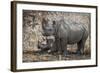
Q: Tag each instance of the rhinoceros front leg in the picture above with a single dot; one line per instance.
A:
(55, 47)
(64, 47)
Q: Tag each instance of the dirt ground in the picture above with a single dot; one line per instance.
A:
(36, 57)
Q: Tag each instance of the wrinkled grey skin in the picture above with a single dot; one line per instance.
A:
(64, 34)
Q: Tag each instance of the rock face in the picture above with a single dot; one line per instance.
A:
(32, 29)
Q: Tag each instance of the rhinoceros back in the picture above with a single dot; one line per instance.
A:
(72, 33)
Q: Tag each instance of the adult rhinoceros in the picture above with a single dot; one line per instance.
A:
(65, 33)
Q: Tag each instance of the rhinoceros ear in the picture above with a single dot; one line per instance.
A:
(54, 22)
